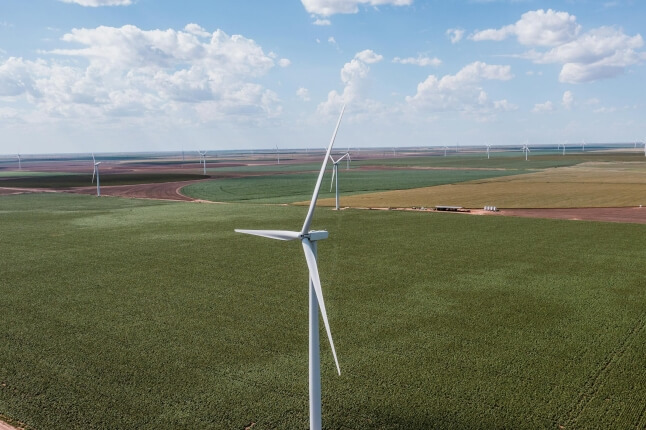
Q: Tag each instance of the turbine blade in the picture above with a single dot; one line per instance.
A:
(272, 234)
(315, 195)
(333, 173)
(314, 277)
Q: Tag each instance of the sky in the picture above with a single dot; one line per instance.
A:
(165, 75)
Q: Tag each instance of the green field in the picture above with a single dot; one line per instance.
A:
(143, 314)
(291, 188)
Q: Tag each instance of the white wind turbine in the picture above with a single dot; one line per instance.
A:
(19, 162)
(202, 160)
(277, 155)
(335, 174)
(583, 146)
(96, 173)
(445, 148)
(526, 150)
(308, 240)
(488, 148)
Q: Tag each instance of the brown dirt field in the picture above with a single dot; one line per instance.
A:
(626, 215)
(158, 191)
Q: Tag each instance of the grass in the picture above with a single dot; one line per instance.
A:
(154, 315)
(504, 160)
(290, 188)
(80, 180)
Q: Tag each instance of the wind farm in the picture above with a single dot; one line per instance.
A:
(353, 214)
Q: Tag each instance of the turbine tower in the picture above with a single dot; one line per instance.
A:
(96, 173)
(445, 148)
(526, 150)
(202, 161)
(19, 162)
(488, 148)
(335, 173)
(583, 146)
(277, 155)
(308, 240)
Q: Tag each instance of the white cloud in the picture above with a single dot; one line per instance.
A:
(539, 27)
(284, 62)
(461, 92)
(543, 107)
(303, 94)
(455, 34)
(131, 72)
(353, 76)
(97, 3)
(419, 61)
(333, 7)
(368, 56)
(331, 40)
(600, 53)
(322, 22)
(568, 100)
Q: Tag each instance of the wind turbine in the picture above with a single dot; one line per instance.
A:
(19, 162)
(308, 240)
(488, 148)
(277, 155)
(445, 148)
(202, 160)
(335, 173)
(96, 173)
(526, 150)
(583, 146)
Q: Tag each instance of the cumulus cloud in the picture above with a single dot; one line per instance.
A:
(543, 107)
(419, 61)
(322, 22)
(600, 53)
(303, 94)
(333, 7)
(461, 92)
(128, 71)
(539, 27)
(568, 100)
(97, 3)
(353, 76)
(455, 34)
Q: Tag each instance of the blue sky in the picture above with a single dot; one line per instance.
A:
(148, 75)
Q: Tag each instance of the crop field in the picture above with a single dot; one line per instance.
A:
(607, 184)
(290, 188)
(56, 180)
(123, 313)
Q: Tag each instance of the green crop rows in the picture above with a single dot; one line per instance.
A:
(126, 314)
(298, 187)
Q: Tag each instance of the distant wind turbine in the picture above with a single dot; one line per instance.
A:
(526, 150)
(445, 148)
(583, 146)
(488, 148)
(277, 155)
(308, 240)
(19, 162)
(96, 173)
(202, 160)
(335, 173)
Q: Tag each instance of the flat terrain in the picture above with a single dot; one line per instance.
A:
(611, 184)
(130, 313)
